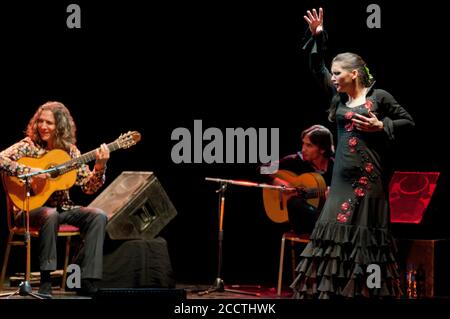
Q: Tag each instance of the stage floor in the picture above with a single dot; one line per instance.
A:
(191, 291)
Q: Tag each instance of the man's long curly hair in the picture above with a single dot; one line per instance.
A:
(65, 126)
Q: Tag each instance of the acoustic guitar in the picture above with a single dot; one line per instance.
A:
(63, 172)
(310, 186)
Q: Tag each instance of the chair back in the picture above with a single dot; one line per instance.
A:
(14, 219)
(10, 212)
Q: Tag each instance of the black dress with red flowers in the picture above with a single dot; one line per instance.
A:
(351, 251)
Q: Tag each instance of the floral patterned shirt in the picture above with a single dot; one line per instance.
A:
(90, 181)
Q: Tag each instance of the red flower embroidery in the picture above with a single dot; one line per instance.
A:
(348, 115)
(369, 168)
(368, 105)
(345, 206)
(363, 181)
(349, 127)
(360, 192)
(342, 218)
(352, 142)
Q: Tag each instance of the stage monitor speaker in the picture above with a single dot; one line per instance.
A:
(137, 206)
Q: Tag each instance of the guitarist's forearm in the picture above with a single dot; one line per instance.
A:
(99, 168)
(11, 166)
(91, 181)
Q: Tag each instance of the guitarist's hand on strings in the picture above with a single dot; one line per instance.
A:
(280, 182)
(102, 156)
(37, 181)
(38, 177)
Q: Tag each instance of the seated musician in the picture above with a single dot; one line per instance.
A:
(52, 127)
(314, 157)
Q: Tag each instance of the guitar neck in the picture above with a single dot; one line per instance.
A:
(311, 192)
(85, 158)
(90, 156)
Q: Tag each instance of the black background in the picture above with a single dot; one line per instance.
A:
(156, 67)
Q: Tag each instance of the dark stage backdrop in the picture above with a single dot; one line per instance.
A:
(158, 67)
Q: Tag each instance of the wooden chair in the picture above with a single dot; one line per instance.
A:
(16, 238)
(293, 238)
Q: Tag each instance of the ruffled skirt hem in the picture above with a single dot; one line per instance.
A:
(347, 261)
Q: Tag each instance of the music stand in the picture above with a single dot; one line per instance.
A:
(25, 286)
(218, 285)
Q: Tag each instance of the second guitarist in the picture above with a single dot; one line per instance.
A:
(315, 157)
(52, 127)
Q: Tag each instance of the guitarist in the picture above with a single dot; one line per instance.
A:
(52, 127)
(315, 156)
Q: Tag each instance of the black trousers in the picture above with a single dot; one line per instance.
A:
(91, 222)
(302, 216)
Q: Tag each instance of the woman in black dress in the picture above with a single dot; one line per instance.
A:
(352, 231)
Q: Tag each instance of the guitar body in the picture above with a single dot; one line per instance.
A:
(42, 189)
(275, 201)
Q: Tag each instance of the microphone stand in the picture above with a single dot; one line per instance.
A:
(25, 286)
(219, 285)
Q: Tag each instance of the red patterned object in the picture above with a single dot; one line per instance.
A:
(369, 168)
(410, 194)
(363, 181)
(342, 218)
(352, 141)
(345, 206)
(349, 127)
(359, 192)
(348, 115)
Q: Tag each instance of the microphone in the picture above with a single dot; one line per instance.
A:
(63, 168)
(53, 171)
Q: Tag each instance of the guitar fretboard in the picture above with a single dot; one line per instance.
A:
(311, 192)
(83, 159)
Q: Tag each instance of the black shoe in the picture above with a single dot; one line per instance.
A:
(45, 289)
(88, 288)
